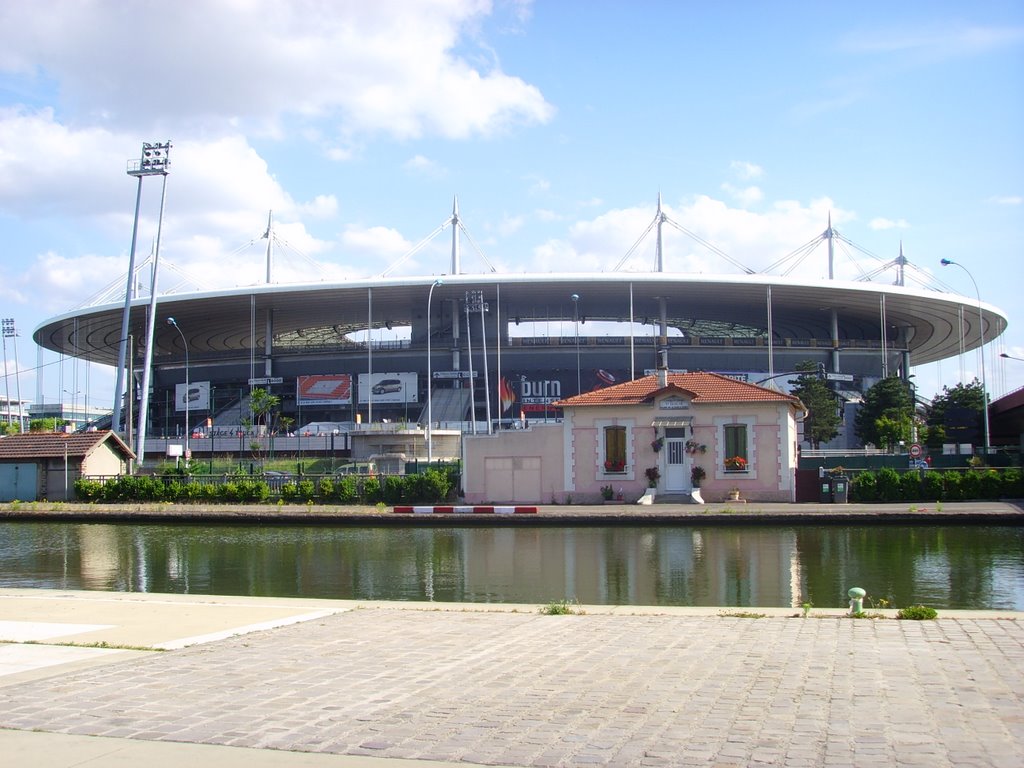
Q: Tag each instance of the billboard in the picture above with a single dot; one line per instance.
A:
(389, 387)
(193, 397)
(333, 389)
(526, 393)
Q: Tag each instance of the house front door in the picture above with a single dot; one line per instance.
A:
(677, 475)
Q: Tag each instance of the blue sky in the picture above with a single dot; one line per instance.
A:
(556, 123)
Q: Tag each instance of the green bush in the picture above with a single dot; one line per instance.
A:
(371, 492)
(932, 486)
(289, 491)
(970, 485)
(910, 486)
(346, 490)
(864, 487)
(325, 489)
(991, 482)
(1013, 484)
(391, 489)
(305, 490)
(952, 487)
(88, 490)
(888, 484)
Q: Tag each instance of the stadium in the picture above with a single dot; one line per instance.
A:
(500, 348)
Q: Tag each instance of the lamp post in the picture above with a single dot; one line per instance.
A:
(430, 379)
(188, 429)
(1011, 357)
(981, 331)
(576, 323)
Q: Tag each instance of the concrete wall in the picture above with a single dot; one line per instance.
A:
(515, 466)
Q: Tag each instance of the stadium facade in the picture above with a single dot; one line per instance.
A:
(505, 346)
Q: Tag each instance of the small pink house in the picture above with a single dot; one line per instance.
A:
(654, 431)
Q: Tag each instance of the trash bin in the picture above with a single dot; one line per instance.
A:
(840, 489)
(826, 490)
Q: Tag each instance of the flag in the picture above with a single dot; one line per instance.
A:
(505, 394)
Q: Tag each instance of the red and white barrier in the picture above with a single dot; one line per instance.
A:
(475, 510)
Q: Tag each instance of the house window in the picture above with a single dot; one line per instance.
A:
(615, 449)
(735, 442)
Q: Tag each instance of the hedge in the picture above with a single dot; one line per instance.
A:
(887, 485)
(429, 487)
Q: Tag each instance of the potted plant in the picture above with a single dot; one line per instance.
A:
(735, 464)
(607, 492)
(734, 494)
(697, 474)
(657, 444)
(614, 465)
(653, 475)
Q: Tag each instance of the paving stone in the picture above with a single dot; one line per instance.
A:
(519, 689)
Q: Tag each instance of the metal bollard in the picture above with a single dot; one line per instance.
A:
(856, 600)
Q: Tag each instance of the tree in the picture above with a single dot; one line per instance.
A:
(823, 420)
(890, 399)
(49, 424)
(262, 405)
(957, 413)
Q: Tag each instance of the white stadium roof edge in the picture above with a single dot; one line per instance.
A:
(929, 325)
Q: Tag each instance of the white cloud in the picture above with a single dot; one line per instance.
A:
(883, 224)
(1007, 200)
(384, 67)
(745, 196)
(746, 171)
(424, 165)
(940, 40)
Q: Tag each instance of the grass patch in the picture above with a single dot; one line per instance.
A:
(744, 615)
(917, 613)
(562, 608)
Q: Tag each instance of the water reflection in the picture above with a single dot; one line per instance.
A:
(942, 566)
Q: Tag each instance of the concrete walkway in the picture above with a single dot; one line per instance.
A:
(258, 682)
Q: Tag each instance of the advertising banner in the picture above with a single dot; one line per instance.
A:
(333, 389)
(388, 387)
(196, 395)
(530, 393)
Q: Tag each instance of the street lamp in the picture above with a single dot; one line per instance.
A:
(188, 429)
(981, 331)
(1011, 357)
(430, 379)
(576, 322)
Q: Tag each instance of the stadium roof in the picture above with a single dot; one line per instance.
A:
(222, 321)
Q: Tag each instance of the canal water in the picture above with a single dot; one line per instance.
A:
(967, 567)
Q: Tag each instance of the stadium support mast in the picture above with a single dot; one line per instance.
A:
(456, 262)
(830, 234)
(269, 234)
(661, 220)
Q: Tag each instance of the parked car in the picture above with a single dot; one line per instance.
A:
(384, 386)
(357, 468)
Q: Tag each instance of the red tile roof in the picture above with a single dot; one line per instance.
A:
(46, 445)
(700, 387)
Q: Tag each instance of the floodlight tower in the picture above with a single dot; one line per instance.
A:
(155, 161)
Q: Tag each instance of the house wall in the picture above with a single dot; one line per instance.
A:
(514, 466)
(565, 462)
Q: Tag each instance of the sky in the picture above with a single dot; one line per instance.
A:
(556, 123)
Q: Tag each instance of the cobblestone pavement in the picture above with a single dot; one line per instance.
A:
(534, 690)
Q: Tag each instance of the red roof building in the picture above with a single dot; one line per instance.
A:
(44, 465)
